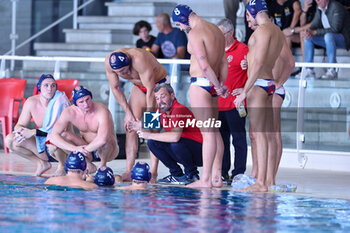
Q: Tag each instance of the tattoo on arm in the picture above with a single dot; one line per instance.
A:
(201, 58)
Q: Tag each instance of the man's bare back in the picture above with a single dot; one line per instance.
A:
(208, 34)
(71, 181)
(271, 38)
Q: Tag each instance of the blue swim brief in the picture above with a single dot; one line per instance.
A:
(95, 156)
(281, 92)
(205, 84)
(51, 159)
(267, 84)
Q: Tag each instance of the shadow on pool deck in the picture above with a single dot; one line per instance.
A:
(320, 183)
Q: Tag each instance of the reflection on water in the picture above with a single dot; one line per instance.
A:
(28, 204)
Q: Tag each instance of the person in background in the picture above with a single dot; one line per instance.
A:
(231, 8)
(170, 42)
(286, 15)
(142, 29)
(233, 124)
(330, 29)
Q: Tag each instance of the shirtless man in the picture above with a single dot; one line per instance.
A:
(94, 121)
(265, 45)
(208, 70)
(142, 69)
(75, 166)
(24, 141)
(281, 72)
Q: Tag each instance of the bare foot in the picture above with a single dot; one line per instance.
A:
(200, 184)
(42, 167)
(153, 180)
(91, 167)
(60, 171)
(126, 177)
(255, 188)
(217, 182)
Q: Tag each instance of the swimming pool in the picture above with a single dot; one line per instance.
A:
(29, 206)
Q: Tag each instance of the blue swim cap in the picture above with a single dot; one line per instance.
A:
(255, 6)
(104, 177)
(42, 78)
(118, 60)
(79, 92)
(75, 161)
(181, 13)
(141, 172)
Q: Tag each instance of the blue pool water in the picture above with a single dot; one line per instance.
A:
(29, 206)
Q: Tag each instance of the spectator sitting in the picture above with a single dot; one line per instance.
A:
(306, 17)
(330, 29)
(286, 15)
(170, 42)
(142, 29)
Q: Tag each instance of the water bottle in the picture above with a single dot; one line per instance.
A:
(241, 110)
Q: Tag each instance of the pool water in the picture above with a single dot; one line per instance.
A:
(27, 205)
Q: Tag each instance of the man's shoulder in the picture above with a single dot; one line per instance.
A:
(101, 109)
(33, 100)
(335, 5)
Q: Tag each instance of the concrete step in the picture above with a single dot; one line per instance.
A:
(98, 36)
(343, 56)
(202, 7)
(115, 19)
(71, 53)
(139, 8)
(79, 46)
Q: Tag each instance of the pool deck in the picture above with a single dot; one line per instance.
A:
(310, 182)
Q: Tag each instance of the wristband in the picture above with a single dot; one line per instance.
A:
(40, 133)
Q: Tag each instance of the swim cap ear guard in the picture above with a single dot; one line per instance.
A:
(181, 13)
(75, 161)
(141, 172)
(79, 92)
(42, 78)
(255, 6)
(118, 60)
(104, 177)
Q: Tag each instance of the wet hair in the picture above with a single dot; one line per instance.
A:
(140, 24)
(167, 86)
(226, 24)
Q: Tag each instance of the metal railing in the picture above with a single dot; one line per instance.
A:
(300, 135)
(14, 36)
